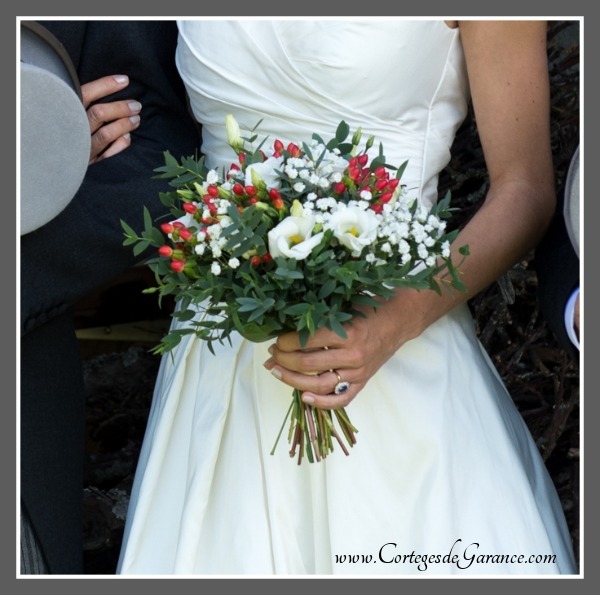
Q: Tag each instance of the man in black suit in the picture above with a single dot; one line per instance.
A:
(77, 252)
(557, 265)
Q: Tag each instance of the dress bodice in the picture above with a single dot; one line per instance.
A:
(403, 81)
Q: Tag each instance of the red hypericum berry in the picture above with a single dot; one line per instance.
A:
(278, 147)
(385, 197)
(393, 184)
(165, 251)
(253, 200)
(213, 191)
(177, 265)
(274, 194)
(167, 228)
(189, 207)
(242, 158)
(363, 160)
(234, 166)
(353, 162)
(339, 188)
(185, 234)
(354, 174)
(381, 184)
(267, 258)
(250, 190)
(238, 189)
(294, 150)
(380, 172)
(278, 204)
(377, 208)
(178, 224)
(255, 261)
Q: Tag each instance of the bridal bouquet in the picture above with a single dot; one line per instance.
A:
(291, 238)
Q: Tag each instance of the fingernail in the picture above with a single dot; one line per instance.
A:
(308, 399)
(121, 78)
(134, 119)
(127, 136)
(277, 373)
(135, 106)
(271, 349)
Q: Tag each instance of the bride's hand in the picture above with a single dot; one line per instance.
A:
(329, 359)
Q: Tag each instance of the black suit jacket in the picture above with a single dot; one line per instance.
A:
(557, 268)
(82, 247)
(80, 250)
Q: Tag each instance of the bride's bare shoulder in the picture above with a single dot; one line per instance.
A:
(451, 24)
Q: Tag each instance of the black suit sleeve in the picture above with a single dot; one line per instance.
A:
(557, 267)
(81, 248)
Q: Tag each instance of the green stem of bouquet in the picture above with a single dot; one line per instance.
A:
(311, 430)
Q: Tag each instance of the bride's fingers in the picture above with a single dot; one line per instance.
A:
(324, 383)
(331, 400)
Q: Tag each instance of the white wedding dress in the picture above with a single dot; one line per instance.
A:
(444, 465)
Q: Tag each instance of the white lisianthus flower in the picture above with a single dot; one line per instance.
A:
(354, 228)
(293, 237)
(264, 172)
(215, 268)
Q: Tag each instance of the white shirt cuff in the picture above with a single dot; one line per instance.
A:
(570, 318)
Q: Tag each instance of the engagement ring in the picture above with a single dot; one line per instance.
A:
(342, 386)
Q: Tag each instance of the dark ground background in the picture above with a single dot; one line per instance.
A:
(118, 324)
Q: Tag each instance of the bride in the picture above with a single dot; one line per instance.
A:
(445, 478)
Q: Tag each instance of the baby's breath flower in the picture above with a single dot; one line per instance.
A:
(215, 268)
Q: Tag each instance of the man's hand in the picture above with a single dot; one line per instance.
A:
(110, 123)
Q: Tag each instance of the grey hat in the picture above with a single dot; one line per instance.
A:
(55, 138)
(572, 201)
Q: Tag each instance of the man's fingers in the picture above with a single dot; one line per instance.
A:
(101, 114)
(106, 135)
(103, 87)
(117, 146)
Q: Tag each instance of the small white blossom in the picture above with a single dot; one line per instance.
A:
(422, 251)
(404, 247)
(430, 260)
(365, 194)
(446, 249)
(215, 268)
(291, 172)
(299, 186)
(234, 263)
(212, 177)
(199, 249)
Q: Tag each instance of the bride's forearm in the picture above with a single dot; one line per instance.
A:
(508, 225)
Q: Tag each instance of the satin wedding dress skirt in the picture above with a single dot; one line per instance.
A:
(445, 477)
